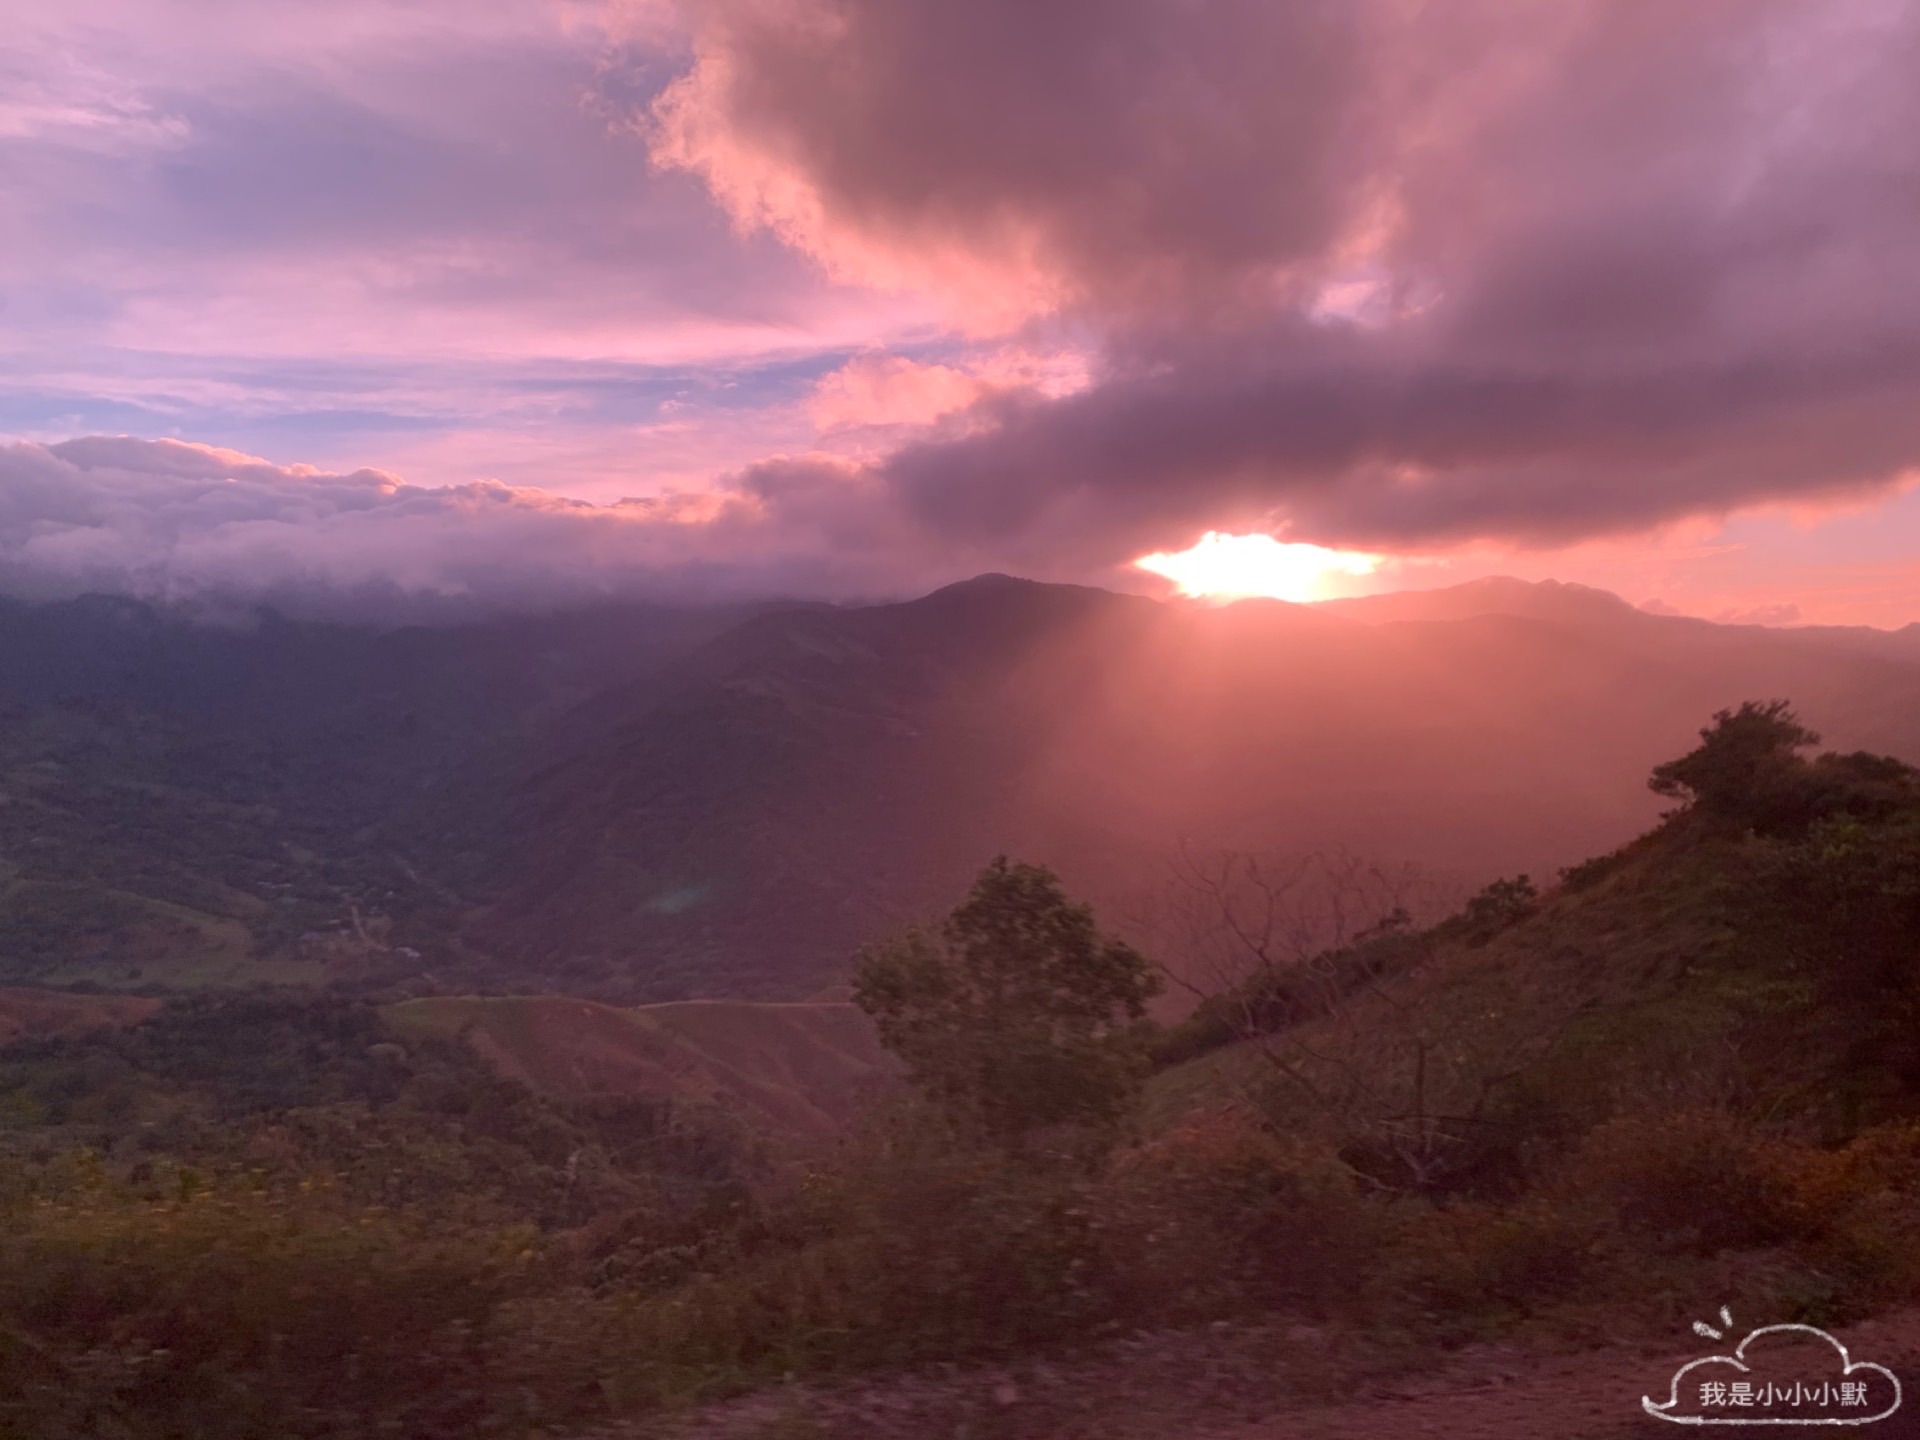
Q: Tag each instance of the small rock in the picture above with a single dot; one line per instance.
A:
(1006, 1393)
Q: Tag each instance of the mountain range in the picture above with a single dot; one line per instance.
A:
(649, 803)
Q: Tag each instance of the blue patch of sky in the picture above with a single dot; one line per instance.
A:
(274, 407)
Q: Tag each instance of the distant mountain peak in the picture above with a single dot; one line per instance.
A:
(996, 591)
(1489, 595)
(993, 582)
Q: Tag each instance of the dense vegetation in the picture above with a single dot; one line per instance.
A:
(1687, 1074)
(260, 1214)
(190, 801)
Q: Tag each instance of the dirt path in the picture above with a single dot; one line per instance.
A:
(1577, 1397)
(1290, 1383)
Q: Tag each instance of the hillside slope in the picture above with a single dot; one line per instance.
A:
(794, 1068)
(1696, 969)
(181, 802)
(808, 781)
(1613, 983)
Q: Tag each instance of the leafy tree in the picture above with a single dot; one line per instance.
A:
(1012, 1014)
(1746, 769)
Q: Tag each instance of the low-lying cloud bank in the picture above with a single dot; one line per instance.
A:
(175, 522)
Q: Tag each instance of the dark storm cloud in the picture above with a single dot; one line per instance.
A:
(1399, 453)
(1392, 273)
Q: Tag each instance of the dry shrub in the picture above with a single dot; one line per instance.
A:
(1699, 1182)
(1870, 1192)
(1223, 1214)
(921, 1250)
(927, 1254)
(1642, 1205)
(1467, 1270)
(230, 1311)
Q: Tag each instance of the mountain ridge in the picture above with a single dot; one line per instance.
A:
(644, 804)
(1075, 725)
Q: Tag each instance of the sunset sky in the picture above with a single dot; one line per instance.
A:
(537, 301)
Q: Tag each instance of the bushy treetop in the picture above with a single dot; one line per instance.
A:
(1013, 1013)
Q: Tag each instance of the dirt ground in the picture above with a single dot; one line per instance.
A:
(1283, 1383)
(1583, 1397)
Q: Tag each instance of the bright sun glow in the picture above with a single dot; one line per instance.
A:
(1231, 566)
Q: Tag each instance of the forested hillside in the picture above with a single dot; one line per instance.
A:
(645, 804)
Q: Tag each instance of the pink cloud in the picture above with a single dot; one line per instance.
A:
(881, 390)
(890, 390)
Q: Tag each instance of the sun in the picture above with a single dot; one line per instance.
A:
(1236, 566)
